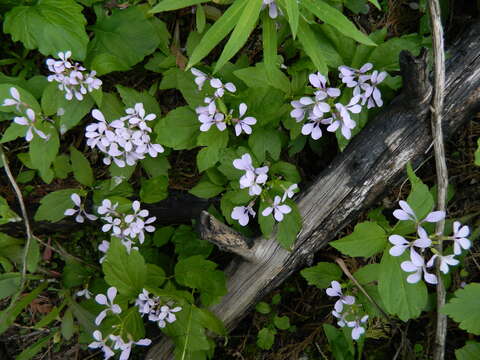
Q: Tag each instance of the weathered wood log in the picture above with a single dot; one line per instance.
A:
(369, 166)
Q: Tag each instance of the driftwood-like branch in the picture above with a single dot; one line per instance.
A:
(371, 164)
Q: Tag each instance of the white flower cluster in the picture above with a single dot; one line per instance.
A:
(116, 341)
(210, 114)
(125, 140)
(423, 242)
(347, 316)
(72, 77)
(29, 120)
(255, 179)
(157, 311)
(127, 227)
(323, 109)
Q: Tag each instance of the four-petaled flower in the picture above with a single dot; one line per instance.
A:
(279, 209)
(126, 347)
(416, 264)
(200, 77)
(80, 211)
(243, 124)
(100, 343)
(459, 238)
(406, 213)
(242, 213)
(400, 243)
(108, 302)
(15, 100)
(29, 121)
(445, 261)
(357, 328)
(336, 291)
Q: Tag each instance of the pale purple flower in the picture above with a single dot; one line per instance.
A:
(126, 347)
(313, 128)
(342, 321)
(200, 77)
(372, 95)
(290, 192)
(207, 121)
(459, 237)
(243, 124)
(144, 302)
(107, 207)
(341, 117)
(416, 264)
(85, 292)
(220, 87)
(353, 77)
(100, 343)
(244, 163)
(320, 82)
(335, 290)
(401, 244)
(15, 100)
(79, 210)
(279, 209)
(29, 121)
(317, 106)
(242, 214)
(108, 302)
(103, 247)
(299, 110)
(166, 315)
(357, 328)
(273, 9)
(406, 213)
(445, 261)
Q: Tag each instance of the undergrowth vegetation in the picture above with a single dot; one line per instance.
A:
(107, 108)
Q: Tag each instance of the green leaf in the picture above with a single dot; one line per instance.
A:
(43, 153)
(51, 316)
(33, 255)
(9, 284)
(8, 316)
(266, 222)
(477, 153)
(281, 322)
(200, 274)
(217, 32)
(6, 214)
(463, 308)
(35, 348)
(367, 239)
(338, 343)
(329, 15)
(84, 317)
(154, 190)
(322, 274)
(206, 189)
(311, 45)
(399, 297)
(266, 338)
(130, 97)
(67, 325)
(243, 29)
(127, 272)
(62, 166)
(471, 351)
(184, 81)
(293, 13)
(385, 56)
(289, 227)
(51, 26)
(156, 166)
(288, 171)
(54, 204)
(179, 129)
(263, 141)
(13, 132)
(211, 322)
(163, 235)
(132, 325)
(121, 40)
(168, 5)
(82, 171)
(74, 274)
(155, 275)
(263, 308)
(187, 243)
(200, 20)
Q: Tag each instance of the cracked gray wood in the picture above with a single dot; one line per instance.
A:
(370, 165)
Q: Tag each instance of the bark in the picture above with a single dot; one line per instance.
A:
(371, 164)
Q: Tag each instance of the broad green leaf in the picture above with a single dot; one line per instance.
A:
(322, 274)
(471, 351)
(54, 204)
(163, 235)
(67, 328)
(130, 97)
(156, 166)
(74, 274)
(208, 157)
(216, 141)
(179, 129)
(288, 171)
(62, 166)
(367, 239)
(210, 321)
(281, 322)
(265, 338)
(263, 308)
(217, 32)
(243, 28)
(6, 214)
(9, 284)
(399, 297)
(463, 308)
(155, 275)
(127, 272)
(311, 45)
(329, 15)
(35, 348)
(263, 141)
(121, 40)
(52, 26)
(338, 343)
(187, 243)
(154, 190)
(206, 189)
(289, 227)
(269, 36)
(266, 222)
(13, 132)
(8, 316)
(385, 55)
(132, 325)
(43, 152)
(84, 317)
(82, 171)
(168, 5)
(200, 274)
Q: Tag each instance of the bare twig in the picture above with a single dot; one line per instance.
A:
(347, 272)
(28, 228)
(440, 161)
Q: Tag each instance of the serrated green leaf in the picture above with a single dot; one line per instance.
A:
(265, 338)
(127, 272)
(322, 274)
(263, 308)
(121, 40)
(206, 189)
(463, 308)
(217, 32)
(329, 15)
(471, 351)
(51, 26)
(367, 239)
(187, 243)
(82, 171)
(399, 297)
(179, 129)
(169, 5)
(281, 322)
(132, 325)
(154, 190)
(54, 204)
(210, 321)
(263, 141)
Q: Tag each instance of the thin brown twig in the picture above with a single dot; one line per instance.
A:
(347, 272)
(28, 228)
(440, 162)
